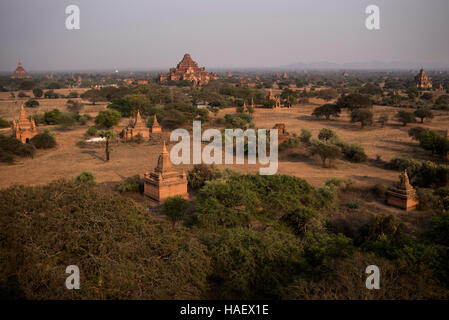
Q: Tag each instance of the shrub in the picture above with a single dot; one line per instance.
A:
(362, 115)
(37, 92)
(305, 136)
(108, 118)
(353, 204)
(51, 117)
(131, 184)
(354, 101)
(325, 150)
(423, 113)
(290, 143)
(327, 135)
(73, 94)
(4, 123)
(74, 106)
(22, 94)
(10, 147)
(405, 117)
(254, 264)
(415, 132)
(175, 208)
(66, 120)
(380, 190)
(45, 140)
(354, 152)
(327, 111)
(67, 223)
(427, 199)
(91, 131)
(433, 141)
(86, 177)
(31, 103)
(50, 94)
(201, 173)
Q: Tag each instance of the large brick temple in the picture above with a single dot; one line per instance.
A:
(165, 181)
(23, 129)
(20, 72)
(422, 80)
(188, 70)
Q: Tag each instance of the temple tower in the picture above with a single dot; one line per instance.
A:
(137, 128)
(402, 195)
(24, 129)
(422, 80)
(165, 181)
(20, 72)
(155, 128)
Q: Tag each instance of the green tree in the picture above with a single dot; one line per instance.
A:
(423, 113)
(354, 101)
(38, 92)
(31, 103)
(325, 150)
(108, 118)
(371, 89)
(327, 135)
(362, 115)
(435, 142)
(107, 134)
(405, 117)
(85, 177)
(327, 94)
(175, 209)
(327, 111)
(92, 95)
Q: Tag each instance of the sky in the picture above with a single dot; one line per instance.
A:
(155, 34)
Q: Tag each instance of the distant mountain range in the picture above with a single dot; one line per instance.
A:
(366, 65)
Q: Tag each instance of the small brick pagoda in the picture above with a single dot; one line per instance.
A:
(137, 128)
(156, 128)
(422, 80)
(188, 70)
(23, 129)
(402, 195)
(20, 72)
(277, 100)
(165, 181)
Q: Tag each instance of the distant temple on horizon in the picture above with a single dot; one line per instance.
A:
(422, 80)
(20, 72)
(23, 129)
(188, 70)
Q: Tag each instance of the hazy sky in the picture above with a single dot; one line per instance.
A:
(149, 34)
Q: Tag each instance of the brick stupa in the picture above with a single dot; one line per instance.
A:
(23, 129)
(20, 72)
(165, 181)
(137, 128)
(422, 80)
(155, 128)
(402, 195)
(188, 70)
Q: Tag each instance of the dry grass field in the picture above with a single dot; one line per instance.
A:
(67, 159)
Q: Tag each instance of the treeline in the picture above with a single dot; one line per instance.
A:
(242, 237)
